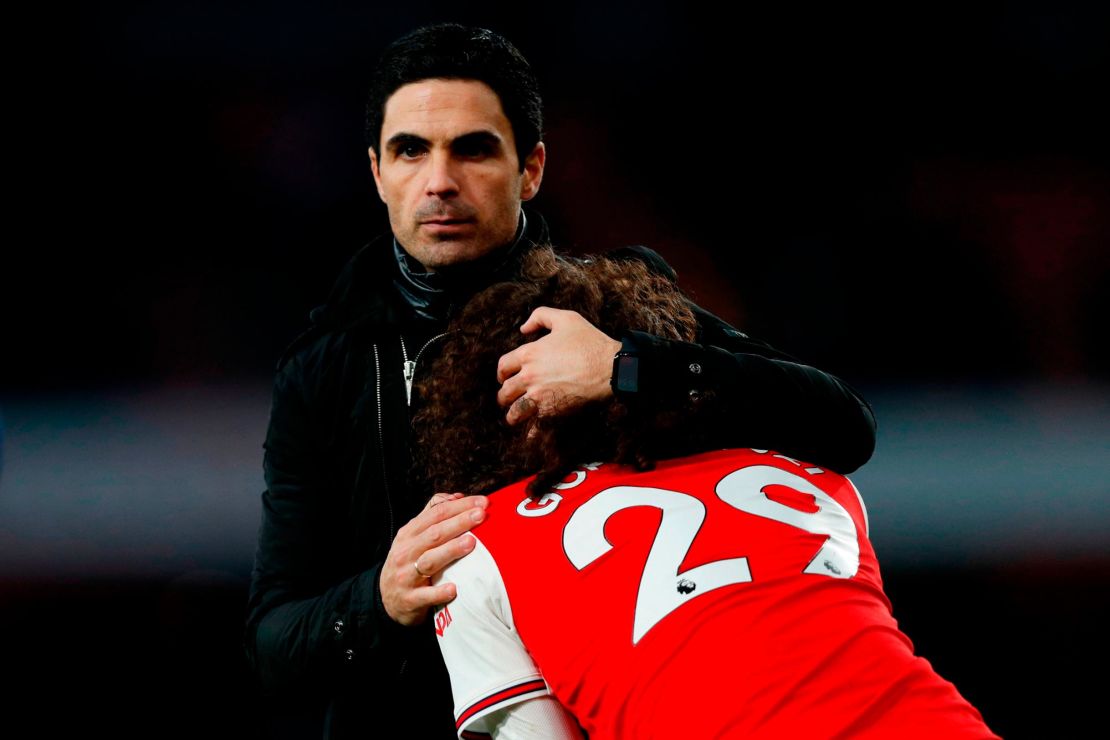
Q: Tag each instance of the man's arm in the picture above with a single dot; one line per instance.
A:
(311, 620)
(748, 394)
(743, 392)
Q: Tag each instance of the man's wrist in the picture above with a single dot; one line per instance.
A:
(625, 379)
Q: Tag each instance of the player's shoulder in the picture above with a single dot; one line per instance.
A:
(476, 568)
(512, 506)
(733, 458)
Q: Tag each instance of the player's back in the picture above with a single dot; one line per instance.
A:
(729, 594)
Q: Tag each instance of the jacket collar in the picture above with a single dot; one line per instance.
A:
(435, 296)
(378, 286)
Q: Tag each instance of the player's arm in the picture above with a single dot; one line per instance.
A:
(497, 688)
(542, 717)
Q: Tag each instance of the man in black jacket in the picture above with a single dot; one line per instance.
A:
(340, 590)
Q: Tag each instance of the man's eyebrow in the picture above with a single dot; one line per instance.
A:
(477, 137)
(472, 138)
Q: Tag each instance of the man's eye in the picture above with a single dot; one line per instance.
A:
(474, 149)
(409, 151)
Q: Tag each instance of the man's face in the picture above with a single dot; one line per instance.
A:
(448, 171)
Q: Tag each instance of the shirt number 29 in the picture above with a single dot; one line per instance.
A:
(663, 588)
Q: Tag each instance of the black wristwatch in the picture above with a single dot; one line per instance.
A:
(626, 369)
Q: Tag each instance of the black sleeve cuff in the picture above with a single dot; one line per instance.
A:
(668, 368)
(366, 628)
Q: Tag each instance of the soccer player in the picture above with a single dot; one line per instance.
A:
(718, 593)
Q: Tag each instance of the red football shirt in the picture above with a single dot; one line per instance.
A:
(729, 594)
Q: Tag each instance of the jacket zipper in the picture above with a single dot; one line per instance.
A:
(381, 440)
(381, 451)
(409, 367)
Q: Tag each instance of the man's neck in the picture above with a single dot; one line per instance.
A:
(436, 294)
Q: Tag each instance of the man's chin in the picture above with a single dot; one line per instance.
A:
(446, 255)
(447, 252)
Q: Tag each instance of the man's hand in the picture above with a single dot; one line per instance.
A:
(434, 539)
(571, 364)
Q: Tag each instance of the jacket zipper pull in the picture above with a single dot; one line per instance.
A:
(410, 371)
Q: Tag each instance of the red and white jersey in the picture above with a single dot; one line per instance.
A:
(729, 594)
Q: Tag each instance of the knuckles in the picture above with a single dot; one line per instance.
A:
(523, 354)
(436, 534)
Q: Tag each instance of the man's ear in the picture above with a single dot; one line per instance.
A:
(533, 172)
(377, 172)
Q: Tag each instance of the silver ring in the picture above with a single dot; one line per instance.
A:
(417, 569)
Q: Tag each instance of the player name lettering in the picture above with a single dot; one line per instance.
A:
(443, 618)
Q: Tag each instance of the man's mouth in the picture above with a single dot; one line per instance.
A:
(447, 226)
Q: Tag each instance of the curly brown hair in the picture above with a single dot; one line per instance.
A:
(462, 439)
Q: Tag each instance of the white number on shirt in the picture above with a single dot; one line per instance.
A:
(662, 587)
(839, 556)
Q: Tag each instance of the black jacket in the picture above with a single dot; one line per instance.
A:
(336, 468)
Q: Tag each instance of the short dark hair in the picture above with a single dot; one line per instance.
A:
(453, 51)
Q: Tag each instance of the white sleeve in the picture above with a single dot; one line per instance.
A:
(489, 666)
(542, 717)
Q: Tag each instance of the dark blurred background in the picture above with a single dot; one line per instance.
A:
(913, 197)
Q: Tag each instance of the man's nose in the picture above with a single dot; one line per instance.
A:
(442, 175)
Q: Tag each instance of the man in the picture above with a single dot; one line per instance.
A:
(340, 585)
(729, 593)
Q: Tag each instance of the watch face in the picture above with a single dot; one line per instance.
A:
(628, 374)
